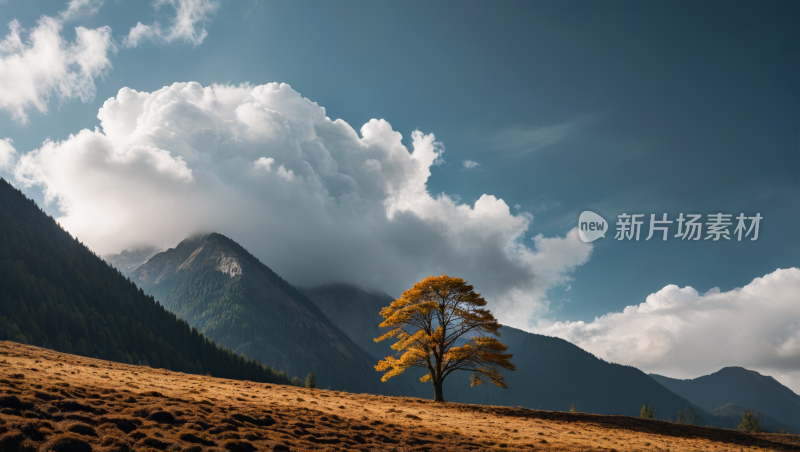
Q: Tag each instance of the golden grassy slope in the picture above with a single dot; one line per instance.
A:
(55, 401)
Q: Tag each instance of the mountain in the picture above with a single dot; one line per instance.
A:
(57, 294)
(129, 260)
(230, 296)
(742, 387)
(551, 373)
(731, 416)
(355, 311)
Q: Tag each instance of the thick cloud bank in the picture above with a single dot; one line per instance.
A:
(38, 64)
(313, 198)
(684, 334)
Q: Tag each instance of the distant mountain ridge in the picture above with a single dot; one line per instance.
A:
(552, 373)
(732, 414)
(56, 293)
(742, 387)
(129, 260)
(225, 292)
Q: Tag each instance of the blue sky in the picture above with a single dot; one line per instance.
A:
(565, 106)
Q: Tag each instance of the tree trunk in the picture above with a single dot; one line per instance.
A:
(437, 393)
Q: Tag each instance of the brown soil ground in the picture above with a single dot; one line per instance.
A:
(60, 402)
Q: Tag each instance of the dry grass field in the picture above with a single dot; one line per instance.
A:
(54, 401)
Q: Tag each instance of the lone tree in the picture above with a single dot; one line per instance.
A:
(750, 423)
(429, 320)
(687, 416)
(647, 412)
(311, 382)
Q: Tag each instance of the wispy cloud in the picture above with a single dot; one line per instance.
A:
(42, 64)
(518, 141)
(188, 25)
(37, 64)
(8, 155)
(469, 164)
(79, 9)
(257, 4)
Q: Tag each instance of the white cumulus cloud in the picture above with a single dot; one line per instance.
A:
(38, 64)
(188, 24)
(314, 198)
(681, 333)
(469, 164)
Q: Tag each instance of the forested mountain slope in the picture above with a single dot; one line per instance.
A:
(129, 260)
(229, 295)
(356, 312)
(57, 294)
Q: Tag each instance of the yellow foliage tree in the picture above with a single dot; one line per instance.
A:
(428, 321)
